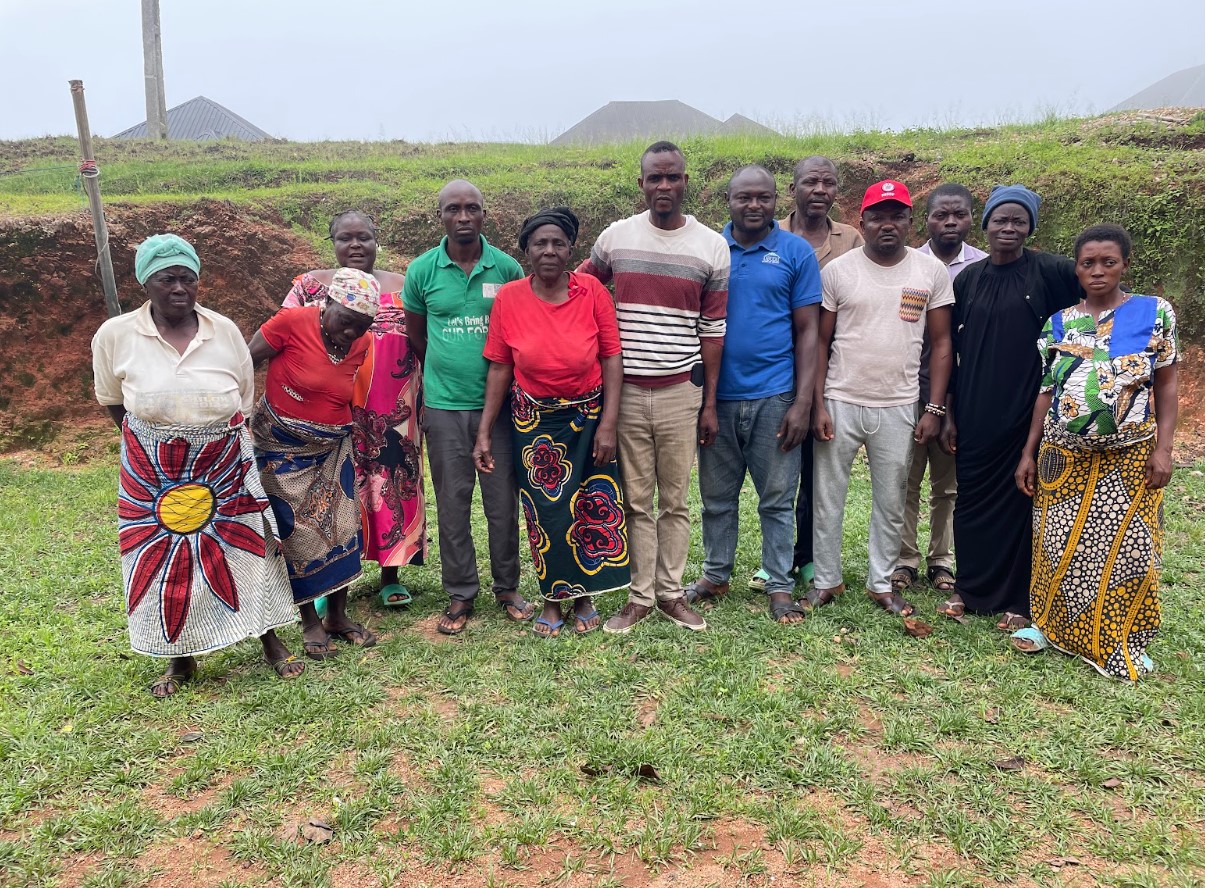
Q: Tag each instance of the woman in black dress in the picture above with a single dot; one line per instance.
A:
(1001, 304)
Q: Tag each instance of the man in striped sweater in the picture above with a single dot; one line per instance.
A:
(671, 277)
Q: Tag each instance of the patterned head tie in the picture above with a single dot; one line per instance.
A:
(355, 290)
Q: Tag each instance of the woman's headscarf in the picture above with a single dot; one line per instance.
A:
(562, 217)
(356, 291)
(161, 251)
(1018, 194)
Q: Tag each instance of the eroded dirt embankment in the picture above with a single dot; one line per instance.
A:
(51, 303)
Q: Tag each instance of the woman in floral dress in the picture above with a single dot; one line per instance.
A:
(1096, 461)
(386, 404)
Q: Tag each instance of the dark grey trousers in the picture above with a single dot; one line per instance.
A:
(450, 438)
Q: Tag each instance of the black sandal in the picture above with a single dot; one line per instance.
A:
(519, 603)
(780, 609)
(903, 577)
(454, 613)
(698, 591)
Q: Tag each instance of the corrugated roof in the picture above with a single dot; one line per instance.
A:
(201, 120)
(1185, 89)
(739, 123)
(625, 121)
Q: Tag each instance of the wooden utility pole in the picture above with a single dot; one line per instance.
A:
(152, 66)
(89, 173)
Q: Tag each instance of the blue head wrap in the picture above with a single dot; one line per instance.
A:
(161, 251)
(1018, 194)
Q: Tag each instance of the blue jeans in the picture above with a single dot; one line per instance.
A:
(746, 440)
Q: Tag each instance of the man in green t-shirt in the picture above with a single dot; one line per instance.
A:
(448, 294)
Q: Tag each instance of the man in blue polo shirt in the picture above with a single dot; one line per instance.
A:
(764, 396)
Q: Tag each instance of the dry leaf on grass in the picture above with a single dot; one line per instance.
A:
(1013, 763)
(1111, 783)
(317, 831)
(1060, 862)
(917, 628)
(993, 715)
(191, 736)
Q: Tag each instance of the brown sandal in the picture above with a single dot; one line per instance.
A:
(904, 577)
(815, 598)
(515, 601)
(892, 602)
(953, 607)
(941, 578)
(1011, 622)
(705, 590)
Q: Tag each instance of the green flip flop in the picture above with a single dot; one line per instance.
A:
(395, 595)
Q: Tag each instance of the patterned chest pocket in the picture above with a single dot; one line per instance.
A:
(912, 304)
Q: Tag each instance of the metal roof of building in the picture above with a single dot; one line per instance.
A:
(625, 121)
(200, 120)
(1184, 89)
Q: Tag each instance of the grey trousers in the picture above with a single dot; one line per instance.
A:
(450, 438)
(887, 433)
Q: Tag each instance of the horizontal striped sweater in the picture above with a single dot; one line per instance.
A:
(671, 290)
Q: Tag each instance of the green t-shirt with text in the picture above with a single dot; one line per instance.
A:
(458, 315)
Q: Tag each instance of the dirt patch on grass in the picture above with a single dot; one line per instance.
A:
(188, 863)
(77, 868)
(1188, 441)
(168, 804)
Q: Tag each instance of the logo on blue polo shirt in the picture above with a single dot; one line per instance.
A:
(771, 258)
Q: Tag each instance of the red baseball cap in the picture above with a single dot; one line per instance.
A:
(888, 189)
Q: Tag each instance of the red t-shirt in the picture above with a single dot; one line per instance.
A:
(302, 381)
(555, 349)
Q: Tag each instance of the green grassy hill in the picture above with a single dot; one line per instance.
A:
(1142, 170)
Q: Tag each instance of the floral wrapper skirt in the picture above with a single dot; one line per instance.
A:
(573, 509)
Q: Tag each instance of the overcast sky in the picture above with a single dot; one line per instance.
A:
(524, 70)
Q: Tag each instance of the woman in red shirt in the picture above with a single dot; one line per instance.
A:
(303, 446)
(554, 343)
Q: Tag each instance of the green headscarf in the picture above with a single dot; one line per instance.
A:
(161, 251)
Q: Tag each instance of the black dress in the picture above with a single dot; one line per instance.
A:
(999, 312)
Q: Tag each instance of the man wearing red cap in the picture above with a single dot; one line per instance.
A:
(877, 303)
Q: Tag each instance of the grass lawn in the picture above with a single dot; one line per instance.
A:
(841, 751)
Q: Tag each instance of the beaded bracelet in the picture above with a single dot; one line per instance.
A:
(936, 409)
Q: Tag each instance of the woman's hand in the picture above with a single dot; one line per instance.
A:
(483, 459)
(1158, 471)
(1024, 476)
(605, 444)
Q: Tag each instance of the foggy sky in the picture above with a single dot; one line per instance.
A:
(521, 70)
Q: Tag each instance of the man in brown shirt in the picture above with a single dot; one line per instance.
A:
(814, 187)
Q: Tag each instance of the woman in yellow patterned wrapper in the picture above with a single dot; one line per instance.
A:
(1097, 459)
(199, 552)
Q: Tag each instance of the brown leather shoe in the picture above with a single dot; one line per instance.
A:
(678, 612)
(626, 617)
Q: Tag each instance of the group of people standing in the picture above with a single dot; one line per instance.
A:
(777, 348)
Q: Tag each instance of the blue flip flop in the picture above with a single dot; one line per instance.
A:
(1031, 636)
(554, 628)
(586, 618)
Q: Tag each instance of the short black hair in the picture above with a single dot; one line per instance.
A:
(949, 189)
(359, 214)
(747, 168)
(662, 147)
(1105, 232)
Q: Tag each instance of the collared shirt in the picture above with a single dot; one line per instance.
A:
(968, 255)
(842, 238)
(768, 281)
(133, 365)
(457, 307)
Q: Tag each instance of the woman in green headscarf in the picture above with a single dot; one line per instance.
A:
(199, 552)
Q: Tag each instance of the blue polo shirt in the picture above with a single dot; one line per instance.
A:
(767, 282)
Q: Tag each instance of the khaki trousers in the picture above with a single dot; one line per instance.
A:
(942, 509)
(657, 432)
